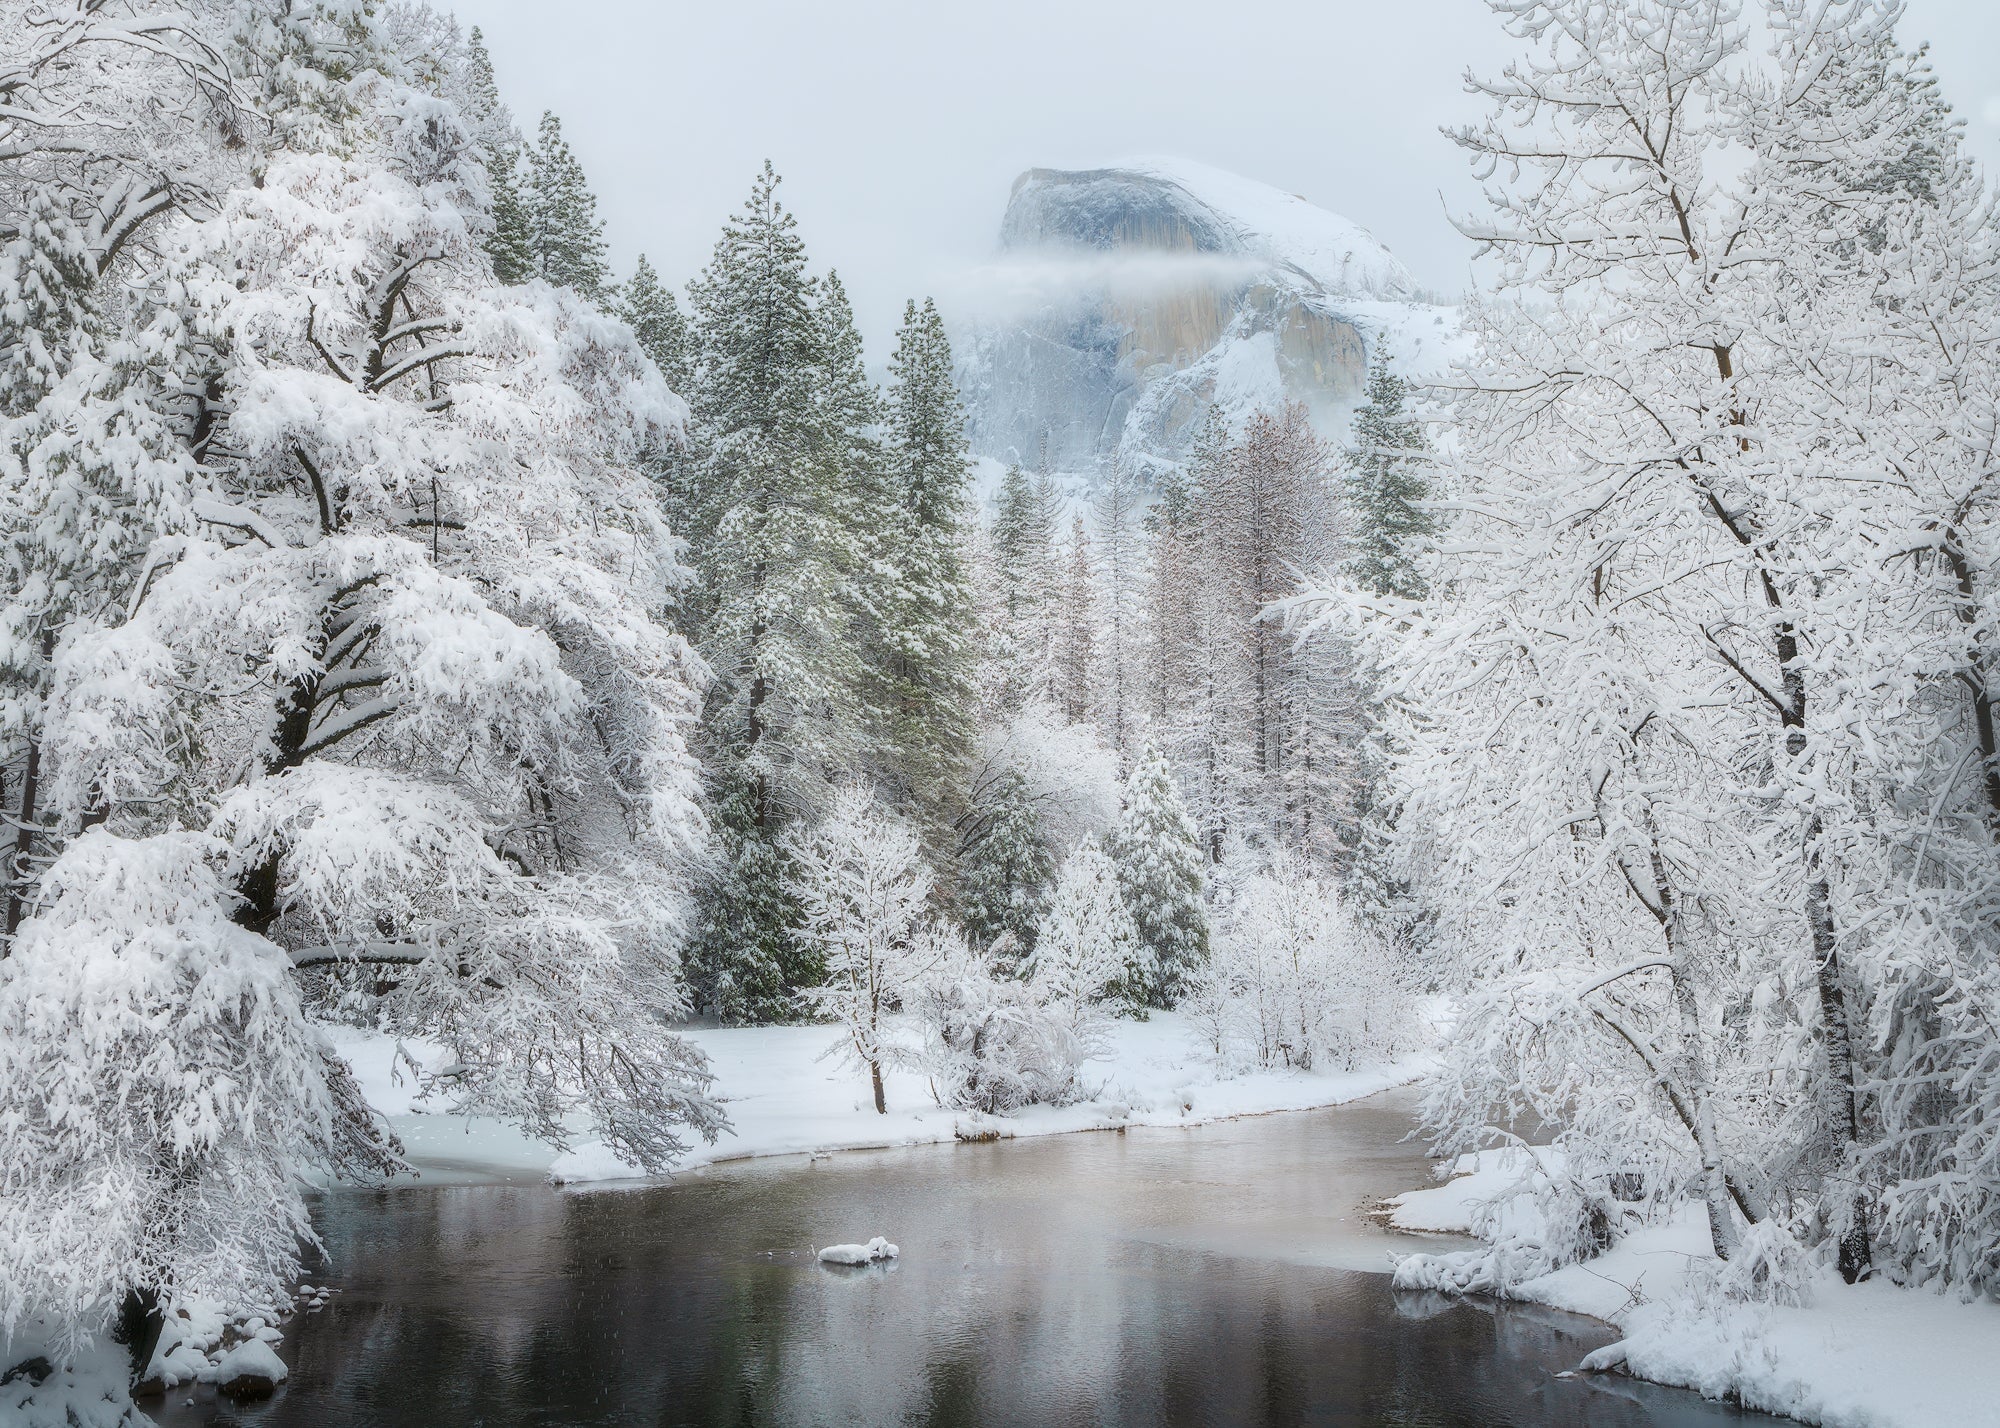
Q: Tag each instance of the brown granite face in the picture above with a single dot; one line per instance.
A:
(1149, 305)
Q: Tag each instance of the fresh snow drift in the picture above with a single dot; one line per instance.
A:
(1869, 1355)
(786, 1096)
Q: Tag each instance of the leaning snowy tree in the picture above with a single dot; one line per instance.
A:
(387, 689)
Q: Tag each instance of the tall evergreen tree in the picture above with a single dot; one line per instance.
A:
(1116, 509)
(1075, 628)
(1021, 638)
(772, 540)
(566, 237)
(1159, 859)
(510, 244)
(1007, 869)
(647, 305)
(1388, 480)
(927, 670)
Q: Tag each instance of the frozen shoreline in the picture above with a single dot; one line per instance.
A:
(1870, 1355)
(785, 1096)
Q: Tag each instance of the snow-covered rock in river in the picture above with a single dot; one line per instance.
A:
(1133, 297)
(250, 1370)
(876, 1249)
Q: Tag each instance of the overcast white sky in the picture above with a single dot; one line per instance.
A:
(898, 127)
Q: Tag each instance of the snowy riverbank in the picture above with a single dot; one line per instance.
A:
(1857, 1356)
(785, 1096)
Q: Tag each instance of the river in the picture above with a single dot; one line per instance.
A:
(1225, 1274)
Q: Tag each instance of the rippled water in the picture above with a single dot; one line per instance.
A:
(1222, 1275)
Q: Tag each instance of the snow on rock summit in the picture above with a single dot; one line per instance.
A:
(1131, 298)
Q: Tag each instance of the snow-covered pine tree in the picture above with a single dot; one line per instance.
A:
(1205, 730)
(1074, 627)
(1116, 512)
(1006, 866)
(1171, 594)
(1387, 483)
(1087, 946)
(565, 235)
(509, 243)
(647, 306)
(925, 620)
(1020, 645)
(772, 536)
(1159, 859)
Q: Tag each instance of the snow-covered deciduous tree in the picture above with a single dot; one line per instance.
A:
(132, 988)
(1692, 753)
(368, 670)
(1296, 978)
(863, 893)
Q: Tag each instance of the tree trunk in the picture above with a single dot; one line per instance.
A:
(875, 1076)
(1842, 1111)
(24, 843)
(140, 1322)
(1722, 1235)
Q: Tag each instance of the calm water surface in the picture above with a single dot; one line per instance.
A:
(1222, 1275)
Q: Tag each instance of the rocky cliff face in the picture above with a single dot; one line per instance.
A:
(1140, 295)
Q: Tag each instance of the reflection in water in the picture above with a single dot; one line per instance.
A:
(1207, 1276)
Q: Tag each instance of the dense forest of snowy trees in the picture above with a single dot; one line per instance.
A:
(404, 624)
(1689, 705)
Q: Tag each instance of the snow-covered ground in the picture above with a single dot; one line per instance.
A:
(786, 1096)
(1857, 1356)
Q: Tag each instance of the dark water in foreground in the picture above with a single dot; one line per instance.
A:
(1206, 1276)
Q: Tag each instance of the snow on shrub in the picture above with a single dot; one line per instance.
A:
(1293, 980)
(987, 1042)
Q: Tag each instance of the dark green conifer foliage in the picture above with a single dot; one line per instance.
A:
(767, 506)
(926, 618)
(648, 306)
(565, 234)
(1007, 870)
(1024, 569)
(509, 246)
(1388, 480)
(1157, 852)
